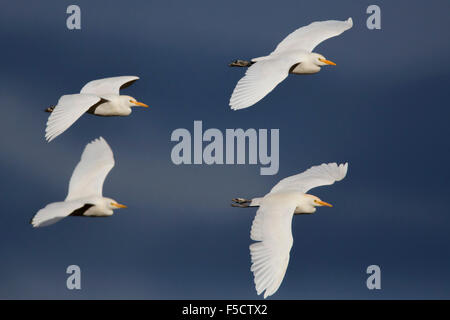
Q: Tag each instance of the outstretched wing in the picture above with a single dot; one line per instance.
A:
(308, 37)
(316, 176)
(270, 256)
(54, 212)
(108, 85)
(90, 173)
(260, 79)
(67, 111)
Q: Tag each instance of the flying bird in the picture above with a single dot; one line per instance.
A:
(292, 55)
(271, 226)
(99, 97)
(85, 188)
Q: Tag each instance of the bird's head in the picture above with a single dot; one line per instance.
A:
(320, 60)
(113, 204)
(316, 202)
(132, 102)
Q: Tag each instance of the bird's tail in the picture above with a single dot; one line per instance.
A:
(244, 203)
(50, 109)
(241, 63)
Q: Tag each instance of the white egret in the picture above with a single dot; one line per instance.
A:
(99, 97)
(272, 224)
(85, 188)
(292, 55)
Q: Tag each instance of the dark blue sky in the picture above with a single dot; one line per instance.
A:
(383, 108)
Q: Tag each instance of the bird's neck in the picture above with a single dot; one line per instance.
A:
(304, 205)
(305, 67)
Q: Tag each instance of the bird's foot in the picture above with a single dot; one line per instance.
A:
(50, 109)
(240, 63)
(241, 203)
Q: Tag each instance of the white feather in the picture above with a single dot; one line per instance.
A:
(54, 212)
(67, 111)
(90, 173)
(324, 174)
(108, 86)
(308, 37)
(259, 80)
(270, 256)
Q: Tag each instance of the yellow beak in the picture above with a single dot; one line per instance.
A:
(140, 104)
(323, 203)
(118, 205)
(331, 63)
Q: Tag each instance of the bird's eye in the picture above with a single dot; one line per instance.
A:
(131, 101)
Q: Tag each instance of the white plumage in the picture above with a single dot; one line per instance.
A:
(292, 55)
(84, 197)
(270, 255)
(322, 175)
(99, 97)
(90, 173)
(259, 80)
(272, 224)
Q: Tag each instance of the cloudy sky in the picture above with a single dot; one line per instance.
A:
(383, 108)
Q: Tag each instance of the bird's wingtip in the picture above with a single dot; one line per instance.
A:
(344, 167)
(237, 107)
(96, 140)
(33, 223)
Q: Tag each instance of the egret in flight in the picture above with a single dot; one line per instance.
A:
(292, 55)
(272, 224)
(99, 97)
(85, 188)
